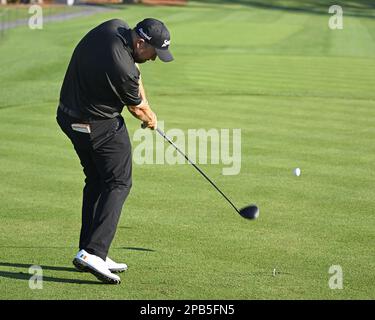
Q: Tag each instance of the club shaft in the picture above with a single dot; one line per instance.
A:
(196, 167)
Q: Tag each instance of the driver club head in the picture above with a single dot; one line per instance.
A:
(250, 212)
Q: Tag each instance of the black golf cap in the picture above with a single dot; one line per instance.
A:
(156, 34)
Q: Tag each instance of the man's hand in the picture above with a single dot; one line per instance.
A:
(144, 113)
(151, 124)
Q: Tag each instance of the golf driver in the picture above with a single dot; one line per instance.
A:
(248, 212)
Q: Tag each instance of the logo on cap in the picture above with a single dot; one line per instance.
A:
(166, 43)
(144, 34)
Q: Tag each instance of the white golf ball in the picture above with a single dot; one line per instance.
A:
(297, 172)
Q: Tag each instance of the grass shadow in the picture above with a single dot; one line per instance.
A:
(26, 276)
(25, 265)
(39, 247)
(138, 249)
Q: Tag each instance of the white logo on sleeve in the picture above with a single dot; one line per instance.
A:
(166, 43)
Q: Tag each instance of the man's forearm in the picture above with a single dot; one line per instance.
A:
(142, 92)
(142, 112)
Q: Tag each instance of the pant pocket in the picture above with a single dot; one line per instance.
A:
(120, 124)
(105, 130)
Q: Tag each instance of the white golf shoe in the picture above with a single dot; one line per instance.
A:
(114, 266)
(84, 261)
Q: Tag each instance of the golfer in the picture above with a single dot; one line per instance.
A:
(102, 77)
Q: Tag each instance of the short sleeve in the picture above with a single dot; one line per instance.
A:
(126, 87)
(123, 77)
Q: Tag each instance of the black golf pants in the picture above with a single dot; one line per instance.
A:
(105, 155)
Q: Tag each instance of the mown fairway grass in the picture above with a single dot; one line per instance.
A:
(303, 96)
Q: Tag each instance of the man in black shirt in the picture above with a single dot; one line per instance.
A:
(102, 77)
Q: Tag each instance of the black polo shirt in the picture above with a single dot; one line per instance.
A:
(102, 76)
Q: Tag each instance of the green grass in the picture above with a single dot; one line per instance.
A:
(302, 95)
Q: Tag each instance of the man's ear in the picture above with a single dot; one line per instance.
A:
(140, 43)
